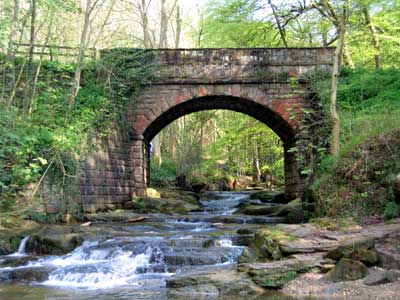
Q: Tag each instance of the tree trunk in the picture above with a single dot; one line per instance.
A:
(375, 41)
(32, 34)
(256, 163)
(348, 61)
(278, 24)
(37, 73)
(178, 26)
(9, 72)
(156, 145)
(104, 24)
(334, 86)
(30, 66)
(163, 26)
(145, 24)
(81, 54)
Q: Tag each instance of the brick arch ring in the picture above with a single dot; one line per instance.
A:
(275, 110)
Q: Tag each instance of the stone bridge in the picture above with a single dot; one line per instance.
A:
(267, 84)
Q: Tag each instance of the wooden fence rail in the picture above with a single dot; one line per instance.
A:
(52, 51)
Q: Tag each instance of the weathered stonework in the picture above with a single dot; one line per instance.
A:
(267, 84)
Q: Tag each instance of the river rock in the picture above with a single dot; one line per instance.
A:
(368, 257)
(27, 274)
(276, 274)
(307, 245)
(163, 205)
(53, 244)
(347, 270)
(293, 211)
(259, 210)
(388, 251)
(15, 261)
(306, 230)
(353, 246)
(267, 245)
(199, 291)
(5, 248)
(248, 256)
(270, 197)
(152, 193)
(382, 277)
(225, 279)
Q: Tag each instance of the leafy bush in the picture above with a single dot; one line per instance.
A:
(167, 171)
(392, 210)
(50, 139)
(357, 185)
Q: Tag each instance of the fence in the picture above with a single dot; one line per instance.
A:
(52, 51)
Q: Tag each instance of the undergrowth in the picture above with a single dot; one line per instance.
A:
(359, 185)
(43, 146)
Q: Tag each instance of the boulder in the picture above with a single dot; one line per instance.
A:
(347, 270)
(388, 251)
(52, 243)
(225, 279)
(293, 211)
(27, 274)
(152, 193)
(270, 197)
(381, 277)
(368, 257)
(257, 210)
(5, 248)
(16, 261)
(354, 246)
(248, 256)
(267, 245)
(163, 205)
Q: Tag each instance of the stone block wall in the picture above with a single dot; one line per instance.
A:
(107, 180)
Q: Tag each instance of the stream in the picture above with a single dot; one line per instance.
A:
(139, 260)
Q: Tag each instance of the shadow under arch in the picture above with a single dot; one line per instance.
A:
(293, 180)
(248, 107)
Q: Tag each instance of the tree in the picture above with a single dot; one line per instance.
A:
(335, 79)
(9, 71)
(81, 54)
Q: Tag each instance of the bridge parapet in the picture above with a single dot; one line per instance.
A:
(214, 66)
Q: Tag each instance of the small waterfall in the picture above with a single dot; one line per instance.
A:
(21, 247)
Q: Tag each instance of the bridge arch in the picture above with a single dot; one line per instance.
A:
(277, 111)
(260, 112)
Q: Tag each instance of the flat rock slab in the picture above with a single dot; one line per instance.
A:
(309, 239)
(378, 277)
(223, 280)
(316, 286)
(307, 245)
(275, 274)
(389, 251)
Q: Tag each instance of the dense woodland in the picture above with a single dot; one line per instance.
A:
(49, 118)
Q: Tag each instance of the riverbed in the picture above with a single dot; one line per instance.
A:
(153, 259)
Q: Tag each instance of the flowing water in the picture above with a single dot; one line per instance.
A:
(138, 263)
